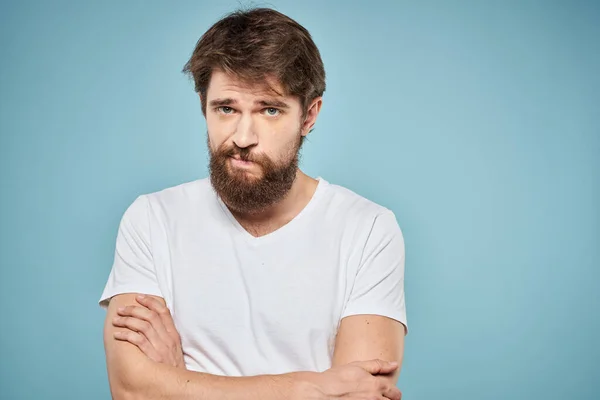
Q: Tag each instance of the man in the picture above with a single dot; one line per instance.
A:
(259, 282)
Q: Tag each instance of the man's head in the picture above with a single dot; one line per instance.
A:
(260, 78)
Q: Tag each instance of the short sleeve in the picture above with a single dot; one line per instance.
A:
(379, 284)
(133, 267)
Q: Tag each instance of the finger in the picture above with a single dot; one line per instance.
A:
(138, 340)
(140, 326)
(163, 312)
(135, 311)
(391, 392)
(145, 314)
(378, 366)
(169, 337)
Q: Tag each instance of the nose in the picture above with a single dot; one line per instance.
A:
(244, 135)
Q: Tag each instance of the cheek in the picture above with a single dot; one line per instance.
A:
(289, 123)
(213, 123)
(218, 130)
(283, 150)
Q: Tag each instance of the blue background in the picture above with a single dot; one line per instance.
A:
(477, 122)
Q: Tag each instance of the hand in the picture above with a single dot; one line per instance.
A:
(151, 328)
(360, 380)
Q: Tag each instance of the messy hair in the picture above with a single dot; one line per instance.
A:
(256, 45)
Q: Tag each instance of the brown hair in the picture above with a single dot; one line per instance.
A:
(257, 44)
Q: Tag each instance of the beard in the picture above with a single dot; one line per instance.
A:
(244, 192)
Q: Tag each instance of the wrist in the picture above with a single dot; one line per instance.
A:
(303, 385)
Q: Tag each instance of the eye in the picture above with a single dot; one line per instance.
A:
(272, 111)
(225, 110)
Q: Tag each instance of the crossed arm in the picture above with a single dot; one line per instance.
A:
(133, 375)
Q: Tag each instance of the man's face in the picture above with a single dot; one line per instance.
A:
(254, 136)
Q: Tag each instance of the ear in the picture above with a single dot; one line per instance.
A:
(311, 115)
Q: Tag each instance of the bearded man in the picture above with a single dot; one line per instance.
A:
(259, 282)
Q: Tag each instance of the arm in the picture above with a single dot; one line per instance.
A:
(374, 322)
(365, 337)
(149, 331)
(132, 375)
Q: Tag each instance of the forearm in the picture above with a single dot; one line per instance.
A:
(133, 375)
(165, 382)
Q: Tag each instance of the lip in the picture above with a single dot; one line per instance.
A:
(241, 163)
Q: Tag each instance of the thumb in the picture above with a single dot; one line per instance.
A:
(377, 366)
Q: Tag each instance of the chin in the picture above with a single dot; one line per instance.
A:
(244, 176)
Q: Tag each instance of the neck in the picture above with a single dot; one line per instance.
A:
(282, 212)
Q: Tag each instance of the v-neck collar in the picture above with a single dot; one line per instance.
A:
(280, 231)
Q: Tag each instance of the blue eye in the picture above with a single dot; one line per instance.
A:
(272, 111)
(225, 109)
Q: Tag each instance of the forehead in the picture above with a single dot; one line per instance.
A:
(222, 84)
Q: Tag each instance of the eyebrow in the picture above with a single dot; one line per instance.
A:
(221, 102)
(263, 103)
(272, 103)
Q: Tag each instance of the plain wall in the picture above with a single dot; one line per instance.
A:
(476, 122)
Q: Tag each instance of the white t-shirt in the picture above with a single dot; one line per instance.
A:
(248, 306)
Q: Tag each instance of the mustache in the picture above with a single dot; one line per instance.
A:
(244, 154)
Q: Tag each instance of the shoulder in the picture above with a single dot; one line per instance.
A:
(187, 192)
(348, 204)
(365, 226)
(182, 199)
(356, 214)
(176, 200)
